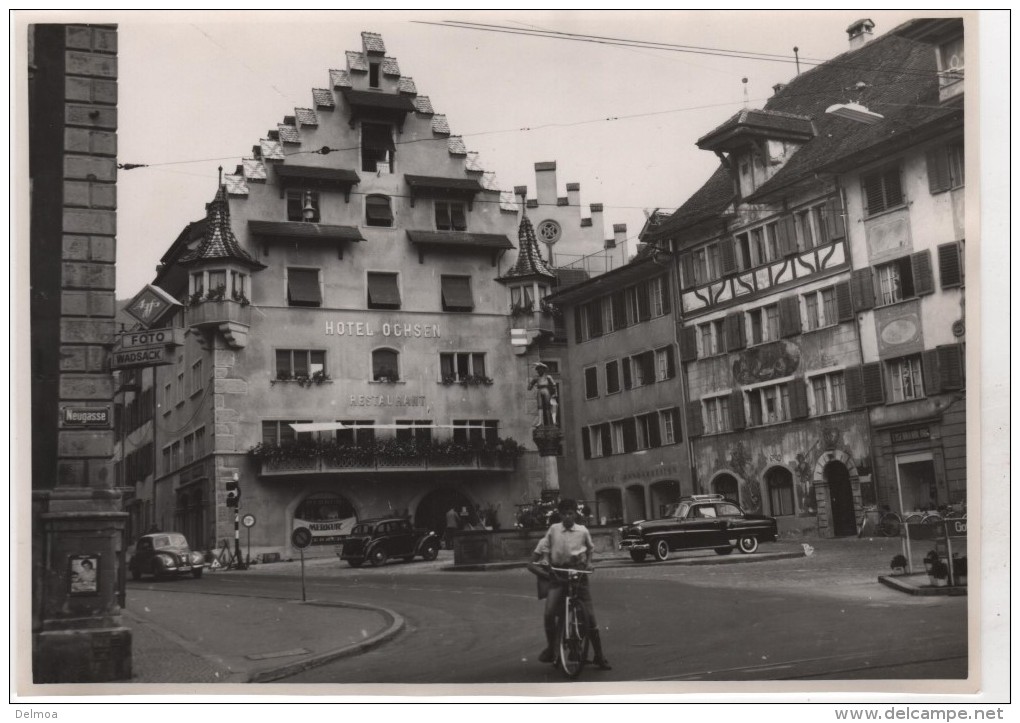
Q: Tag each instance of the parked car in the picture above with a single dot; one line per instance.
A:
(380, 539)
(163, 554)
(699, 522)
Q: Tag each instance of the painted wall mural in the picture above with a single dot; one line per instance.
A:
(766, 362)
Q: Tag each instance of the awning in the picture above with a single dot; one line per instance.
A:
(378, 210)
(303, 287)
(382, 290)
(457, 292)
(463, 189)
(301, 229)
(342, 179)
(461, 240)
(377, 105)
(330, 426)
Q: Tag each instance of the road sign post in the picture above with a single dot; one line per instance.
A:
(249, 522)
(301, 537)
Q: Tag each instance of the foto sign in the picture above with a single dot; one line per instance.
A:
(152, 337)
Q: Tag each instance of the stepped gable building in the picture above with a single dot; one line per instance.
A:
(816, 345)
(347, 352)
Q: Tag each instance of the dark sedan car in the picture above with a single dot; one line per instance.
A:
(379, 540)
(163, 554)
(699, 522)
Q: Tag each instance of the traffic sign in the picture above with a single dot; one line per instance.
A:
(301, 537)
(248, 520)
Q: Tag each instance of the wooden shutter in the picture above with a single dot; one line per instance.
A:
(738, 420)
(670, 362)
(871, 383)
(854, 388)
(627, 381)
(648, 367)
(728, 255)
(834, 218)
(735, 337)
(644, 304)
(871, 192)
(949, 265)
(844, 302)
(939, 178)
(585, 443)
(798, 398)
(654, 430)
(578, 333)
(687, 271)
(695, 420)
(943, 369)
(689, 344)
(789, 316)
(930, 371)
(619, 304)
(665, 290)
(629, 435)
(786, 232)
(607, 440)
(924, 281)
(863, 289)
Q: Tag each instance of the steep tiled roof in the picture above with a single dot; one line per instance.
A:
(764, 122)
(406, 85)
(373, 42)
(707, 201)
(440, 125)
(356, 61)
(254, 169)
(570, 277)
(218, 240)
(423, 105)
(288, 134)
(339, 79)
(236, 184)
(456, 145)
(471, 162)
(529, 257)
(323, 98)
(390, 67)
(271, 150)
(507, 201)
(306, 117)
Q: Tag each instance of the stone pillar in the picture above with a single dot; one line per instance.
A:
(548, 438)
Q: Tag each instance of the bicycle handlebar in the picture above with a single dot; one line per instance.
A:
(570, 570)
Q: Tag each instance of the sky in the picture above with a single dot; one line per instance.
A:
(198, 90)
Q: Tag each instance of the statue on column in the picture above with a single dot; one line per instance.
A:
(548, 403)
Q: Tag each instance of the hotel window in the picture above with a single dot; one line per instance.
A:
(769, 404)
(197, 380)
(356, 431)
(450, 216)
(664, 364)
(591, 382)
(905, 378)
(383, 292)
(459, 366)
(764, 324)
(612, 377)
(377, 148)
(378, 211)
(299, 363)
(717, 415)
(476, 431)
(303, 287)
(420, 430)
(820, 308)
(456, 293)
(882, 190)
(385, 365)
(300, 202)
(829, 393)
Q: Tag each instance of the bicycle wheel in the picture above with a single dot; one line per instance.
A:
(890, 525)
(914, 519)
(931, 519)
(573, 639)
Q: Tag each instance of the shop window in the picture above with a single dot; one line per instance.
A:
(385, 365)
(450, 216)
(591, 382)
(303, 206)
(905, 379)
(300, 363)
(882, 190)
(383, 291)
(456, 293)
(303, 288)
(356, 431)
(476, 431)
(377, 148)
(378, 211)
(418, 430)
(461, 366)
(279, 431)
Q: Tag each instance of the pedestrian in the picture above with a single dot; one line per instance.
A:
(452, 525)
(568, 544)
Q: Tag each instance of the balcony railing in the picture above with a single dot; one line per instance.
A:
(209, 313)
(475, 461)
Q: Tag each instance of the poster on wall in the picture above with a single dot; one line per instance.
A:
(328, 516)
(83, 572)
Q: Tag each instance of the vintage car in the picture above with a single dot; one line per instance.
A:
(380, 539)
(699, 522)
(162, 554)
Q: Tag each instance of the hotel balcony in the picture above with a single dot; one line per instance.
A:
(230, 317)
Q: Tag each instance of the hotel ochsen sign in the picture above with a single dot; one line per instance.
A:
(386, 329)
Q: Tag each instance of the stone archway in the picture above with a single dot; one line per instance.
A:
(726, 484)
(837, 492)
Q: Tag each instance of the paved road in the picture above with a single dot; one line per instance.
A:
(771, 620)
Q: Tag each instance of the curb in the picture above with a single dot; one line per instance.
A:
(902, 585)
(616, 562)
(396, 624)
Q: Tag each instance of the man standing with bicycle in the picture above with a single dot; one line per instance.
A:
(568, 544)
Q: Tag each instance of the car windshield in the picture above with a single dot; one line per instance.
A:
(362, 530)
(169, 541)
(677, 509)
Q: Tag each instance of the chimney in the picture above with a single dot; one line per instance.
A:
(545, 183)
(777, 87)
(619, 236)
(573, 194)
(597, 223)
(860, 32)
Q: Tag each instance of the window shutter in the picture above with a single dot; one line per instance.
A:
(854, 388)
(585, 443)
(619, 304)
(643, 302)
(949, 265)
(664, 290)
(687, 271)
(648, 367)
(943, 368)
(834, 218)
(871, 192)
(787, 234)
(863, 289)
(930, 368)
(737, 418)
(728, 255)
(938, 170)
(924, 281)
(688, 344)
(789, 316)
(654, 430)
(844, 302)
(670, 362)
(695, 420)
(629, 435)
(607, 440)
(735, 331)
(871, 382)
(798, 399)
(578, 337)
(893, 189)
(627, 381)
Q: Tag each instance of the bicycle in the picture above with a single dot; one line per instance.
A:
(891, 524)
(573, 634)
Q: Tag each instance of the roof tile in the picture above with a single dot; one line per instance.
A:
(423, 105)
(373, 42)
(288, 134)
(440, 125)
(356, 62)
(406, 85)
(254, 169)
(339, 79)
(456, 146)
(390, 67)
(236, 185)
(218, 240)
(489, 182)
(306, 117)
(323, 98)
(471, 162)
(529, 257)
(271, 150)
(507, 201)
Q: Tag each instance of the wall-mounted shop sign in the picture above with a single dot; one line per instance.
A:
(101, 416)
(152, 337)
(151, 305)
(917, 434)
(387, 400)
(387, 329)
(146, 356)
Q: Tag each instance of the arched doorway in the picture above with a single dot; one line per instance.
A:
(664, 493)
(779, 487)
(328, 516)
(430, 514)
(727, 486)
(609, 507)
(636, 503)
(841, 499)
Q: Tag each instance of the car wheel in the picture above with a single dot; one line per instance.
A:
(723, 550)
(355, 562)
(378, 557)
(661, 550)
(638, 555)
(748, 544)
(136, 574)
(430, 551)
(197, 572)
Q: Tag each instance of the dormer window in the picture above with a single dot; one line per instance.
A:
(373, 75)
(303, 206)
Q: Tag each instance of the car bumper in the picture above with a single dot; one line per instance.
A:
(635, 545)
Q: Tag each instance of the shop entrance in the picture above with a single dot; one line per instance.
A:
(609, 507)
(841, 499)
(726, 485)
(664, 494)
(431, 511)
(636, 503)
(916, 476)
